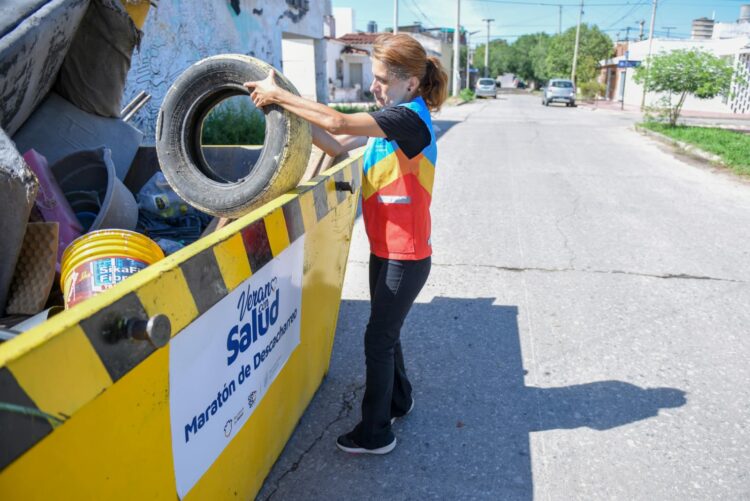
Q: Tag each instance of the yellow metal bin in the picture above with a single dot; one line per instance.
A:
(253, 310)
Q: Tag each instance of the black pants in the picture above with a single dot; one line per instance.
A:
(394, 285)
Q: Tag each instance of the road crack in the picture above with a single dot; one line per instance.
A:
(664, 276)
(522, 269)
(566, 243)
(348, 399)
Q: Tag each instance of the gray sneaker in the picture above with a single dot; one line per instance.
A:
(411, 407)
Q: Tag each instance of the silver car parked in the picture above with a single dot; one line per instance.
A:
(485, 87)
(561, 91)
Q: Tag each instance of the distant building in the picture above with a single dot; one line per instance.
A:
(703, 29)
(620, 85)
(610, 74)
(348, 64)
(344, 21)
(732, 30)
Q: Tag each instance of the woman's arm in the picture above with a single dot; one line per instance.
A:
(265, 92)
(334, 146)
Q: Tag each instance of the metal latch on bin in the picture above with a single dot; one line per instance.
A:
(157, 330)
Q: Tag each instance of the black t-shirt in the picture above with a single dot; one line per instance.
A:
(404, 126)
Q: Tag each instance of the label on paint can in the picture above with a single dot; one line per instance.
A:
(91, 278)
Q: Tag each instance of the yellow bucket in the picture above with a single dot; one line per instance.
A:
(101, 259)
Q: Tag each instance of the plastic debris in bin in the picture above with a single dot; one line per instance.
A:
(165, 216)
(52, 203)
(88, 180)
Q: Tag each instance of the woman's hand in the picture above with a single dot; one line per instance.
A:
(264, 92)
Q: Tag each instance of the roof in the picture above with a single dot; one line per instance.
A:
(354, 50)
(359, 38)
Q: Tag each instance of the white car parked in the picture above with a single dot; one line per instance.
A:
(485, 87)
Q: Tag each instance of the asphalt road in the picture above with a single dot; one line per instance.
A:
(584, 333)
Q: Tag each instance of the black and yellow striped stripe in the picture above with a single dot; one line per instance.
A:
(62, 368)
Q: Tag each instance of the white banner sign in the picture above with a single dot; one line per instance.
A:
(221, 365)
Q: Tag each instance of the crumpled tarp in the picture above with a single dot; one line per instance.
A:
(95, 69)
(35, 39)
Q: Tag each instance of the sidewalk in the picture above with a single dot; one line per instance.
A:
(687, 117)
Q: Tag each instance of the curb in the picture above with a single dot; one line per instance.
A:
(690, 149)
(460, 102)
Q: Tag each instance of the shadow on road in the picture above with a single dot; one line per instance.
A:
(441, 127)
(468, 437)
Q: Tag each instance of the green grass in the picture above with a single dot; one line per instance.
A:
(733, 147)
(466, 95)
(237, 122)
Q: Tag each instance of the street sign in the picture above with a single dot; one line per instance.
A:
(628, 64)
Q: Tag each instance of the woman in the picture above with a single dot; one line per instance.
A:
(399, 165)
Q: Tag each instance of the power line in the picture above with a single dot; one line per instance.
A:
(546, 4)
(518, 24)
(424, 16)
(618, 4)
(640, 4)
(669, 29)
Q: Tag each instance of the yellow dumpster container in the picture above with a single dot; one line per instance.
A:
(253, 309)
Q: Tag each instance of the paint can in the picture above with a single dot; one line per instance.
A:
(101, 259)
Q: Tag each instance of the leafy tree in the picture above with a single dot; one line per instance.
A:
(687, 72)
(524, 53)
(594, 46)
(499, 58)
(539, 59)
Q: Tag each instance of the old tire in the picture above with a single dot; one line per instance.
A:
(285, 152)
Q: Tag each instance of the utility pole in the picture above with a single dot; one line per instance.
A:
(650, 47)
(487, 48)
(457, 50)
(575, 51)
(468, 57)
(669, 29)
(641, 22)
(624, 81)
(627, 34)
(559, 20)
(395, 16)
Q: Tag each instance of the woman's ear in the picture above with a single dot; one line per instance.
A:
(413, 84)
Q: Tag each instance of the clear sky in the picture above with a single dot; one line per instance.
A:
(517, 17)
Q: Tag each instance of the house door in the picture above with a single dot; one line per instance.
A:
(355, 74)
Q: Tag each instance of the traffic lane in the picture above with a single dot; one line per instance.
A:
(609, 350)
(551, 186)
(536, 384)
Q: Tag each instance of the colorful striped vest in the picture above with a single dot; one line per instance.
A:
(396, 194)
